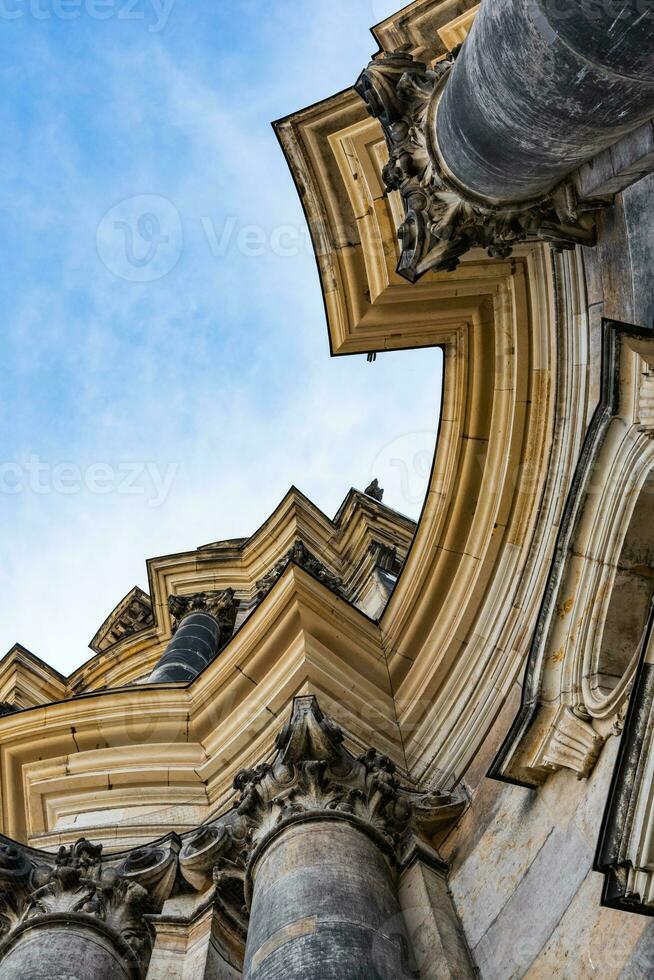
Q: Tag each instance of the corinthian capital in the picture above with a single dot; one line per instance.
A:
(115, 895)
(220, 604)
(442, 220)
(312, 776)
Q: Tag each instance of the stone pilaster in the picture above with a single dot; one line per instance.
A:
(74, 915)
(202, 624)
(308, 860)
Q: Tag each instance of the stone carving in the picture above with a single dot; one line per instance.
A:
(76, 881)
(300, 555)
(311, 775)
(374, 490)
(220, 604)
(132, 614)
(442, 221)
(570, 743)
(386, 557)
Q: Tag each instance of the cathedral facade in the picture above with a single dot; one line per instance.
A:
(359, 748)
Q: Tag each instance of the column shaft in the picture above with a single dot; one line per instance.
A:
(541, 86)
(324, 905)
(67, 945)
(193, 646)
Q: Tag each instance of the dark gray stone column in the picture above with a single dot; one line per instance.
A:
(541, 86)
(202, 623)
(312, 849)
(324, 904)
(66, 946)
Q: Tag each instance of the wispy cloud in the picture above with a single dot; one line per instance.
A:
(217, 371)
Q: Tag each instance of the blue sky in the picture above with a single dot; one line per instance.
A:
(152, 406)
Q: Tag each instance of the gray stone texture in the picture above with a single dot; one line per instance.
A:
(324, 905)
(521, 110)
(62, 951)
(435, 935)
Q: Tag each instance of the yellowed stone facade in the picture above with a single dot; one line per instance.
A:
(458, 711)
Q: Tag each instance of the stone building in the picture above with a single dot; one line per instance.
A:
(358, 748)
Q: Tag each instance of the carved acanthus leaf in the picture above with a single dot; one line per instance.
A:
(34, 885)
(441, 221)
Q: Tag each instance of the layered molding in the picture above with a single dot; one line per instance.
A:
(515, 337)
(188, 898)
(132, 762)
(135, 635)
(616, 461)
(625, 851)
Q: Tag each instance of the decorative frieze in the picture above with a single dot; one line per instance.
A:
(442, 220)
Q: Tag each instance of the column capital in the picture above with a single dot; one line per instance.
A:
(299, 555)
(312, 777)
(112, 896)
(442, 218)
(221, 604)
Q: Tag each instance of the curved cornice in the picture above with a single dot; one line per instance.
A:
(345, 544)
(139, 759)
(515, 405)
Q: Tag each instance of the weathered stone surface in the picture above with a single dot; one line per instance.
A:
(63, 950)
(638, 202)
(537, 903)
(641, 962)
(435, 935)
(521, 108)
(578, 948)
(325, 905)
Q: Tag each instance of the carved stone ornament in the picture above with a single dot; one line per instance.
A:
(118, 894)
(311, 777)
(300, 555)
(374, 490)
(570, 743)
(442, 220)
(220, 604)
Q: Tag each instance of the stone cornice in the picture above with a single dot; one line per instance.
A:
(300, 638)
